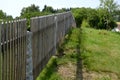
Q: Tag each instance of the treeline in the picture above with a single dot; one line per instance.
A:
(103, 17)
(32, 11)
(96, 18)
(4, 16)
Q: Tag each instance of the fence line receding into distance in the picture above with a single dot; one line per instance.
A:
(24, 54)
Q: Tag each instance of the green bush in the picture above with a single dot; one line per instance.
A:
(79, 14)
(85, 23)
(95, 18)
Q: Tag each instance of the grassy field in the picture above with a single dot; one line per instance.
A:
(101, 54)
(86, 54)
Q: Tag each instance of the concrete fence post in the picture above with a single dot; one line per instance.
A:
(29, 63)
(55, 36)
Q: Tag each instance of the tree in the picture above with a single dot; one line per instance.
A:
(92, 17)
(117, 16)
(48, 9)
(108, 20)
(9, 17)
(62, 10)
(28, 12)
(103, 18)
(80, 14)
(96, 18)
(109, 5)
(30, 9)
(2, 15)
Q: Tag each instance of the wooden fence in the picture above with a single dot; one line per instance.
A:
(47, 31)
(13, 50)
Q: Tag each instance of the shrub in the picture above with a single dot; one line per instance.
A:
(85, 23)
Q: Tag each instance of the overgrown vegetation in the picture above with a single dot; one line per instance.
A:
(50, 71)
(96, 18)
(103, 17)
(4, 16)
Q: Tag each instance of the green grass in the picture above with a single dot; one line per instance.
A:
(69, 55)
(101, 50)
(50, 71)
(98, 49)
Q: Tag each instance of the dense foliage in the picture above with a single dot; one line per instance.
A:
(104, 17)
(33, 11)
(4, 16)
(96, 18)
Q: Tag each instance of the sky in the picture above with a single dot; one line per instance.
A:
(14, 7)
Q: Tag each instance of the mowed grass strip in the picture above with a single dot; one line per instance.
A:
(100, 51)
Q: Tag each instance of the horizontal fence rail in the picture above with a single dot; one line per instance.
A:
(24, 54)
